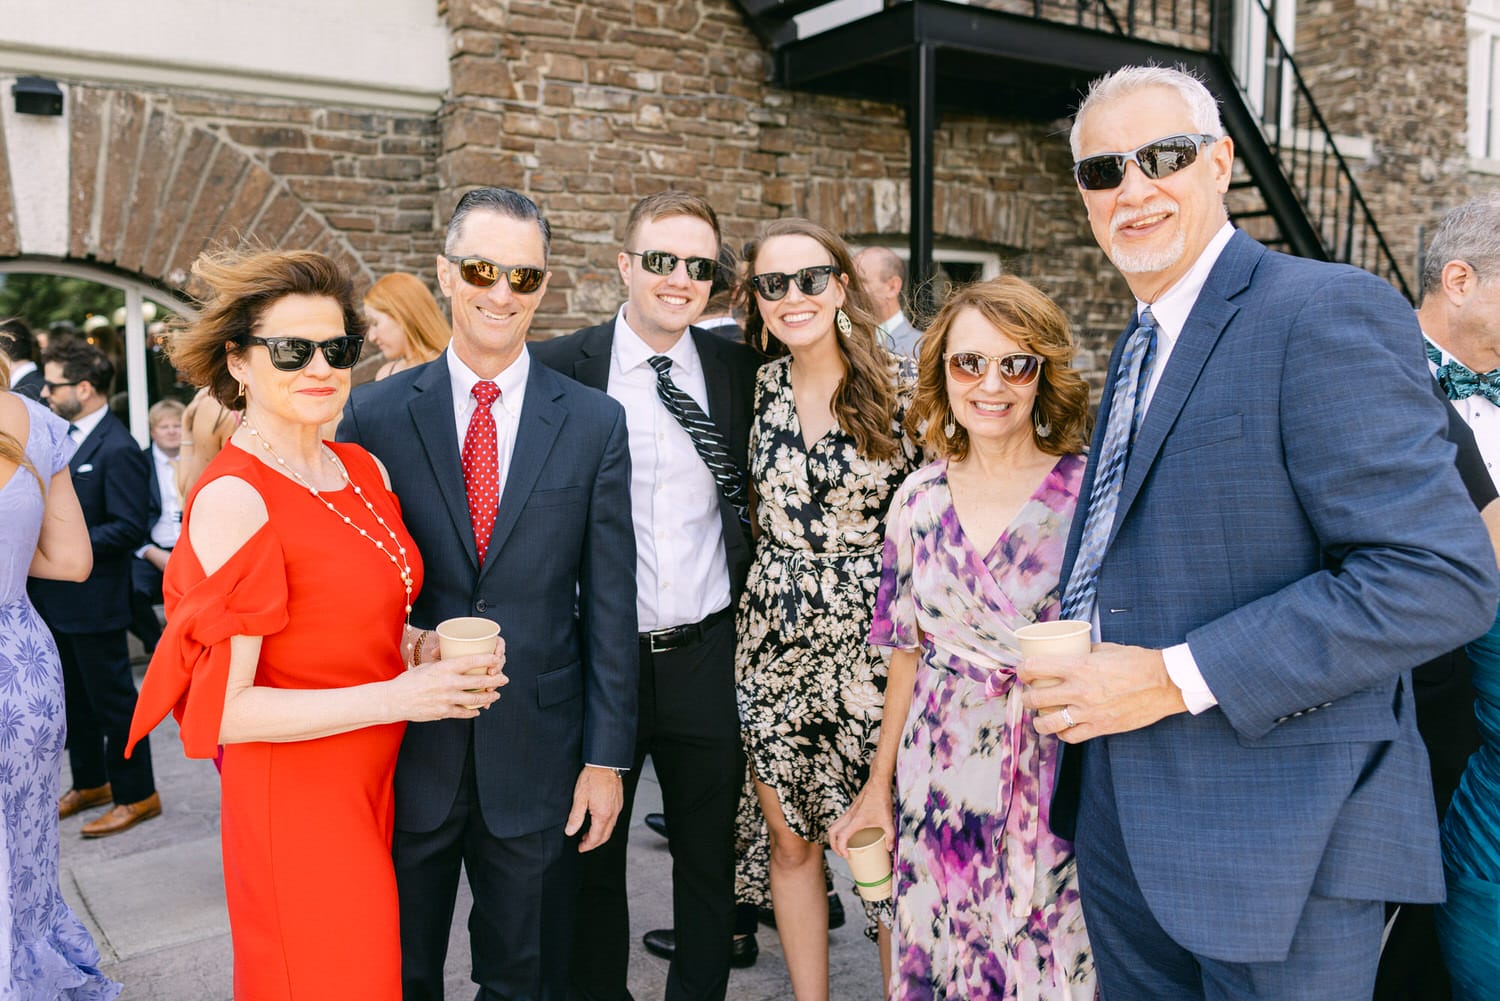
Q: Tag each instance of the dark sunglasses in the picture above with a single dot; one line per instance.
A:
(288, 354)
(482, 273)
(1015, 370)
(59, 385)
(774, 285)
(659, 262)
(1157, 159)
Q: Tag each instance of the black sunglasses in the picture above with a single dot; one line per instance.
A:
(482, 273)
(59, 385)
(774, 285)
(1017, 369)
(1157, 159)
(288, 354)
(659, 262)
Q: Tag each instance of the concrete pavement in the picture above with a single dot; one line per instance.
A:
(153, 898)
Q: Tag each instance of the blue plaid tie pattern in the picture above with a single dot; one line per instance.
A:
(1460, 382)
(707, 440)
(1119, 434)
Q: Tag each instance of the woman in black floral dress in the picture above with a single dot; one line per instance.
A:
(827, 451)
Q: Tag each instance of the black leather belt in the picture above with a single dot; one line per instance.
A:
(662, 640)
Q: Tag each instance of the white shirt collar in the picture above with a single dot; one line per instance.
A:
(1172, 307)
(86, 425)
(20, 370)
(893, 321)
(511, 380)
(630, 350)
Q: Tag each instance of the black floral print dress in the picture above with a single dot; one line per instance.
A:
(810, 686)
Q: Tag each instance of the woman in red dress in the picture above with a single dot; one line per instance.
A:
(285, 641)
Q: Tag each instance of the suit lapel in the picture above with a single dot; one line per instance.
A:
(541, 420)
(90, 446)
(716, 378)
(1205, 325)
(431, 410)
(592, 366)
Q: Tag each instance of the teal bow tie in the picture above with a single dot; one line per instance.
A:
(1460, 382)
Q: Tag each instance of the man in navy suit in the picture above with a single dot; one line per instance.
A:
(693, 548)
(89, 619)
(515, 483)
(1271, 533)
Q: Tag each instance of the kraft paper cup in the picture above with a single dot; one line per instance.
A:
(467, 635)
(1064, 638)
(870, 863)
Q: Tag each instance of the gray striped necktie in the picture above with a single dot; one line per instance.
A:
(1125, 411)
(707, 440)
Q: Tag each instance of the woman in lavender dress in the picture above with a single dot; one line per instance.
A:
(986, 897)
(45, 952)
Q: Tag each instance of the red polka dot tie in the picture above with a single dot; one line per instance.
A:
(482, 466)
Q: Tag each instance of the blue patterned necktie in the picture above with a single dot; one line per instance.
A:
(1460, 382)
(705, 436)
(1125, 412)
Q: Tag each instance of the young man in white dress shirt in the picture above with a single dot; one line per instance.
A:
(693, 551)
(165, 521)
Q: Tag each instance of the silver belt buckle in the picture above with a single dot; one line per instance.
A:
(663, 635)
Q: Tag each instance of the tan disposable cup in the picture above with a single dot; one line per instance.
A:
(870, 864)
(1064, 638)
(465, 636)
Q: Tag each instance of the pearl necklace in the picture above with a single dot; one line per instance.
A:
(398, 556)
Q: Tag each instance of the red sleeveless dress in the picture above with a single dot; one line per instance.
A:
(306, 825)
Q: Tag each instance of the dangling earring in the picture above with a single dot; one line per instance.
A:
(242, 392)
(1043, 429)
(841, 320)
(765, 339)
(949, 427)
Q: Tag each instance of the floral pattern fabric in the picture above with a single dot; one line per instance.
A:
(45, 952)
(810, 687)
(986, 901)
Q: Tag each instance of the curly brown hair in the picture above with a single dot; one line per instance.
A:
(1025, 314)
(242, 286)
(865, 402)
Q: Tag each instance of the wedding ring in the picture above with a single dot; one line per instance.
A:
(1067, 718)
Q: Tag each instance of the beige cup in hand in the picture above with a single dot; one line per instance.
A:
(467, 635)
(870, 863)
(1063, 638)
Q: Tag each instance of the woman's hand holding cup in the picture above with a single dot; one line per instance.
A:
(444, 689)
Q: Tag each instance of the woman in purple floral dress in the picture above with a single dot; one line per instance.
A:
(986, 897)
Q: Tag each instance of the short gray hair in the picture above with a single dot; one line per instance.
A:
(1202, 107)
(1470, 233)
(501, 201)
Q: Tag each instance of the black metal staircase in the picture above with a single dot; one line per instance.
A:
(1031, 59)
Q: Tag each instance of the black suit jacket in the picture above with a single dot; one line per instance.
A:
(729, 373)
(113, 481)
(559, 578)
(29, 385)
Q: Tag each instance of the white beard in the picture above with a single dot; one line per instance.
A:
(1144, 260)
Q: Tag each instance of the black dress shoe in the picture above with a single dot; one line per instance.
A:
(836, 917)
(743, 950)
(657, 822)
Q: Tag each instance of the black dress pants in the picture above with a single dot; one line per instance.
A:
(145, 595)
(99, 695)
(689, 725)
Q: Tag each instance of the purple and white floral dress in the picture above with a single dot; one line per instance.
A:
(986, 896)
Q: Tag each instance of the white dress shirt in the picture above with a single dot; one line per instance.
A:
(1171, 310)
(682, 575)
(506, 409)
(169, 525)
(1482, 416)
(81, 427)
(20, 370)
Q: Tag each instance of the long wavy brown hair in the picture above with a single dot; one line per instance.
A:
(865, 402)
(1025, 314)
(12, 448)
(242, 285)
(404, 298)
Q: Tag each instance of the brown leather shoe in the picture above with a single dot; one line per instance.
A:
(75, 800)
(122, 817)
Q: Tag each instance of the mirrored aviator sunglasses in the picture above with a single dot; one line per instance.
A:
(289, 354)
(660, 262)
(1018, 369)
(774, 285)
(1157, 159)
(483, 273)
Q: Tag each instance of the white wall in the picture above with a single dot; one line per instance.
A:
(379, 53)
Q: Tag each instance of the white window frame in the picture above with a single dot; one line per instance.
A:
(1484, 85)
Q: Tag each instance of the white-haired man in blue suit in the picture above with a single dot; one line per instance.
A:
(1269, 539)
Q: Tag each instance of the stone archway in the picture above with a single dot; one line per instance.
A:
(120, 181)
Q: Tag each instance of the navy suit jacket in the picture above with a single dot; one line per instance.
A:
(30, 385)
(112, 478)
(729, 374)
(559, 578)
(1291, 510)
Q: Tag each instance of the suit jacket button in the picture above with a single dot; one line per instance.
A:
(481, 605)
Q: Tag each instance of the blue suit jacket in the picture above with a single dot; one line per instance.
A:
(1291, 510)
(559, 578)
(113, 481)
